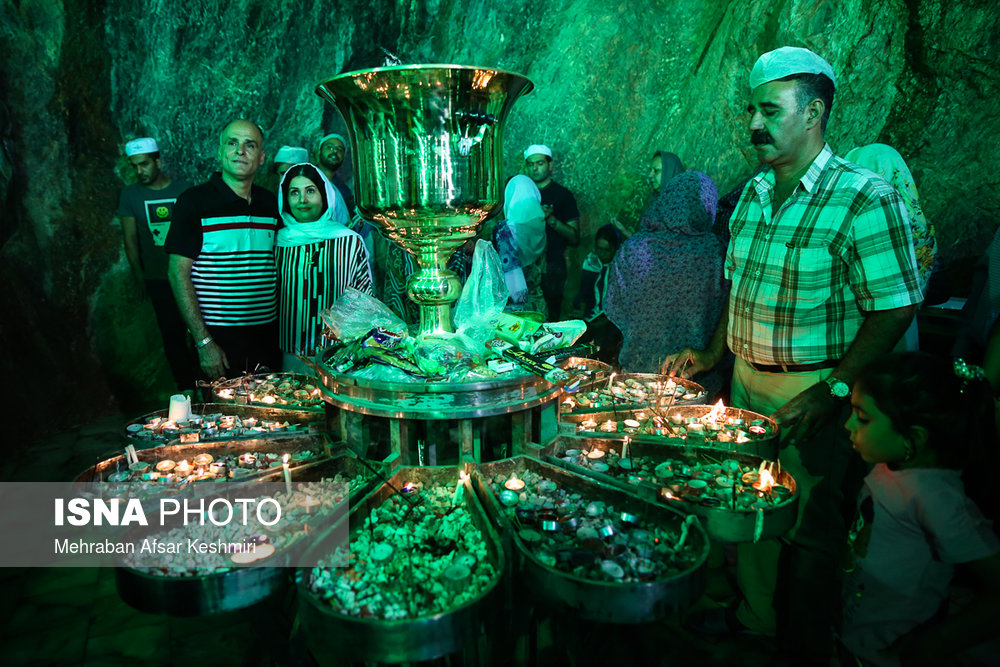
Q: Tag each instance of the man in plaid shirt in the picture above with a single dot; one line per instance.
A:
(823, 280)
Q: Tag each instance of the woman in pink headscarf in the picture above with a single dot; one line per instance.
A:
(666, 289)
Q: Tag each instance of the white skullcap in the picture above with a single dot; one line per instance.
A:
(141, 146)
(292, 154)
(333, 135)
(537, 149)
(786, 61)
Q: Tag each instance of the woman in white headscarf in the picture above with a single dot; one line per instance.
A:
(318, 259)
(520, 240)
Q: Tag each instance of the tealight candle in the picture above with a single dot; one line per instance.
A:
(203, 459)
(595, 453)
(609, 426)
(588, 424)
(183, 469)
(514, 483)
(247, 459)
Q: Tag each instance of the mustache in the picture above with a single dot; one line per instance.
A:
(761, 137)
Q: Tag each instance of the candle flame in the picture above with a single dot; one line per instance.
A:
(462, 476)
(717, 412)
(409, 486)
(284, 459)
(766, 480)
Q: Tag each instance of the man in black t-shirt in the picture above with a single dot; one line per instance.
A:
(145, 210)
(562, 221)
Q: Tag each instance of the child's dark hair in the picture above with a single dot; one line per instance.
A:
(610, 234)
(310, 172)
(954, 402)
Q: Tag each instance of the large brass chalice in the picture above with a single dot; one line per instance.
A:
(428, 157)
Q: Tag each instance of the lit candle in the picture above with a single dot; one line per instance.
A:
(611, 379)
(595, 453)
(460, 488)
(514, 483)
(625, 448)
(183, 469)
(287, 473)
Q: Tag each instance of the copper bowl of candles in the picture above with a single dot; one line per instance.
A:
(418, 580)
(214, 422)
(624, 392)
(739, 497)
(180, 585)
(280, 390)
(704, 426)
(619, 560)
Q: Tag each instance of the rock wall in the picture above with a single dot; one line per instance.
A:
(614, 81)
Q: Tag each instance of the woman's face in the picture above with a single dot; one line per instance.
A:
(304, 199)
(872, 432)
(656, 171)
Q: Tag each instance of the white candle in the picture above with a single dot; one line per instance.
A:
(460, 488)
(625, 448)
(288, 474)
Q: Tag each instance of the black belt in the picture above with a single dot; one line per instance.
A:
(793, 368)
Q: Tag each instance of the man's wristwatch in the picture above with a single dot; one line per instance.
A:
(838, 388)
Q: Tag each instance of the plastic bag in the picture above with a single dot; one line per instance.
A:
(355, 313)
(485, 294)
(445, 354)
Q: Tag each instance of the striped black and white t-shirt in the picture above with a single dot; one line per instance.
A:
(232, 244)
(311, 277)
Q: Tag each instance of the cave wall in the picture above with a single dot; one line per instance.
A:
(614, 81)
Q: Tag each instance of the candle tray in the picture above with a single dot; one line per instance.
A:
(588, 598)
(653, 478)
(298, 420)
(333, 635)
(637, 391)
(664, 431)
(294, 391)
(214, 591)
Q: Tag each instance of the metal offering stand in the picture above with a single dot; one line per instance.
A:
(419, 579)
(703, 426)
(590, 548)
(739, 497)
(214, 422)
(187, 589)
(283, 390)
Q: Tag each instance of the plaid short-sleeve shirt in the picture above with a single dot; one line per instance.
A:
(803, 279)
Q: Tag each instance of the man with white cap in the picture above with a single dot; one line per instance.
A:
(562, 220)
(222, 267)
(288, 156)
(823, 280)
(145, 209)
(332, 149)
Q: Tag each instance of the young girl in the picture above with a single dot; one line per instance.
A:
(318, 259)
(922, 421)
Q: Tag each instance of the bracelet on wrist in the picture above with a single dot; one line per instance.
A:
(203, 342)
